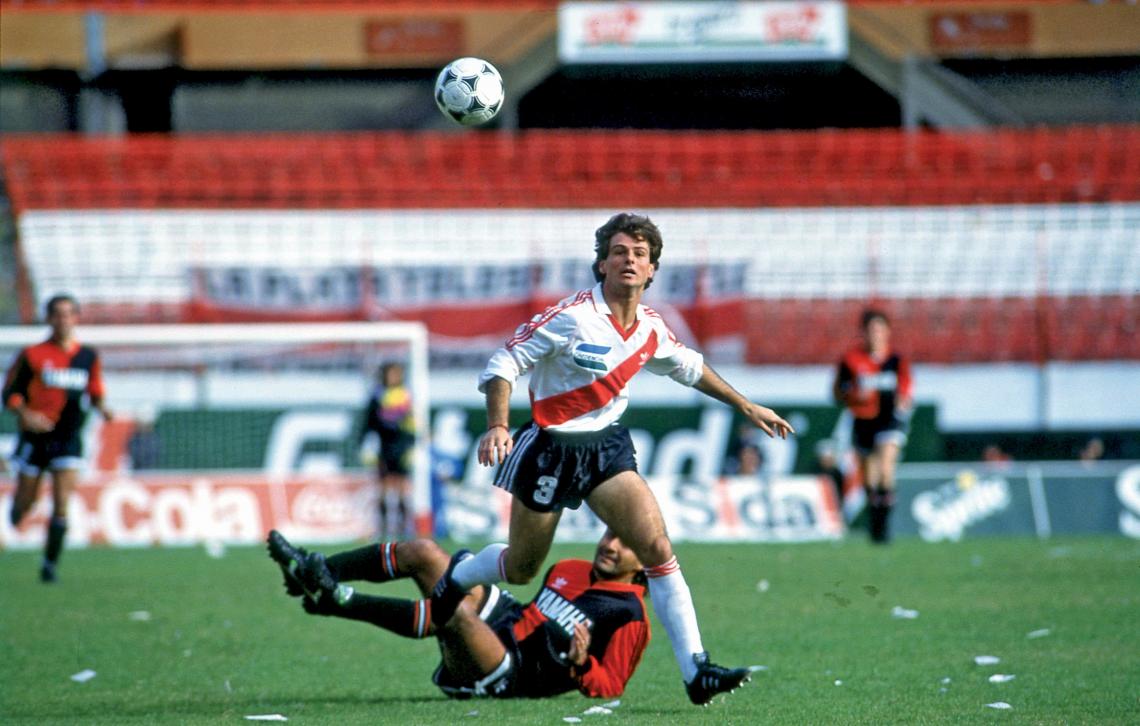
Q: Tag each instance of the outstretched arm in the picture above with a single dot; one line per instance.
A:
(764, 418)
(496, 443)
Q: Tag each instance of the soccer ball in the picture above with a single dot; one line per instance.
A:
(469, 91)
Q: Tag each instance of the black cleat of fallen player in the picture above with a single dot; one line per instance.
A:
(712, 679)
(290, 559)
(447, 594)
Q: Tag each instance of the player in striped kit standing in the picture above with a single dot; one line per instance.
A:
(874, 381)
(49, 387)
(581, 354)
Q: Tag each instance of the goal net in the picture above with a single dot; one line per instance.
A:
(222, 432)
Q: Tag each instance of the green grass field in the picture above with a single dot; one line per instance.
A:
(223, 641)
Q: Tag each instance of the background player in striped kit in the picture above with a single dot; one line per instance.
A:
(875, 383)
(49, 387)
(585, 630)
(581, 355)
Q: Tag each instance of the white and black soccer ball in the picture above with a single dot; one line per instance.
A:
(469, 91)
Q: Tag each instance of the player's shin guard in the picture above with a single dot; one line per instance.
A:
(673, 604)
(373, 563)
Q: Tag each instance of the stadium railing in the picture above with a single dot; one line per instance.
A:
(1003, 245)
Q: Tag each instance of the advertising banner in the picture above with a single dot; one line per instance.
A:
(937, 502)
(947, 502)
(231, 508)
(694, 32)
(201, 508)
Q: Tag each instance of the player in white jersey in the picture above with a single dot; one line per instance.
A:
(581, 355)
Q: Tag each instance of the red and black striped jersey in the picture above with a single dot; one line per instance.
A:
(619, 632)
(872, 388)
(53, 381)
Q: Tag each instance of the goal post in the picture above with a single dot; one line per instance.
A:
(223, 431)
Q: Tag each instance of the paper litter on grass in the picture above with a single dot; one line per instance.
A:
(755, 668)
(763, 586)
(1001, 678)
(597, 711)
(987, 659)
(1037, 633)
(139, 615)
(613, 704)
(571, 719)
(945, 680)
(898, 611)
(266, 717)
(83, 676)
(471, 713)
(838, 682)
(1001, 705)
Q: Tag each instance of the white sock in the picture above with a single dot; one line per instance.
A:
(484, 568)
(673, 604)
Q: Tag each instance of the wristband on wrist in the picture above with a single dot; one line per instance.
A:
(504, 427)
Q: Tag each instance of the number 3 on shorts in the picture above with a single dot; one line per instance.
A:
(545, 492)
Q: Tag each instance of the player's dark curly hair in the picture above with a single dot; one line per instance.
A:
(636, 226)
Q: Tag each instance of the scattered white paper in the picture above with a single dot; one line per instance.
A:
(1037, 633)
(755, 668)
(613, 704)
(266, 717)
(216, 550)
(998, 705)
(763, 586)
(83, 676)
(471, 713)
(945, 680)
(187, 653)
(227, 686)
(571, 719)
(597, 711)
(1001, 678)
(898, 611)
(140, 615)
(838, 682)
(987, 659)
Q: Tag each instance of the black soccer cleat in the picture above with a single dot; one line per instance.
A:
(47, 573)
(712, 679)
(290, 559)
(447, 594)
(316, 577)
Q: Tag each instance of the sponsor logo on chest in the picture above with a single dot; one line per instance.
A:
(560, 610)
(591, 357)
(71, 379)
(881, 381)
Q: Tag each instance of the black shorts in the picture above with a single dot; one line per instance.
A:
(395, 459)
(37, 452)
(867, 433)
(549, 471)
(501, 611)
